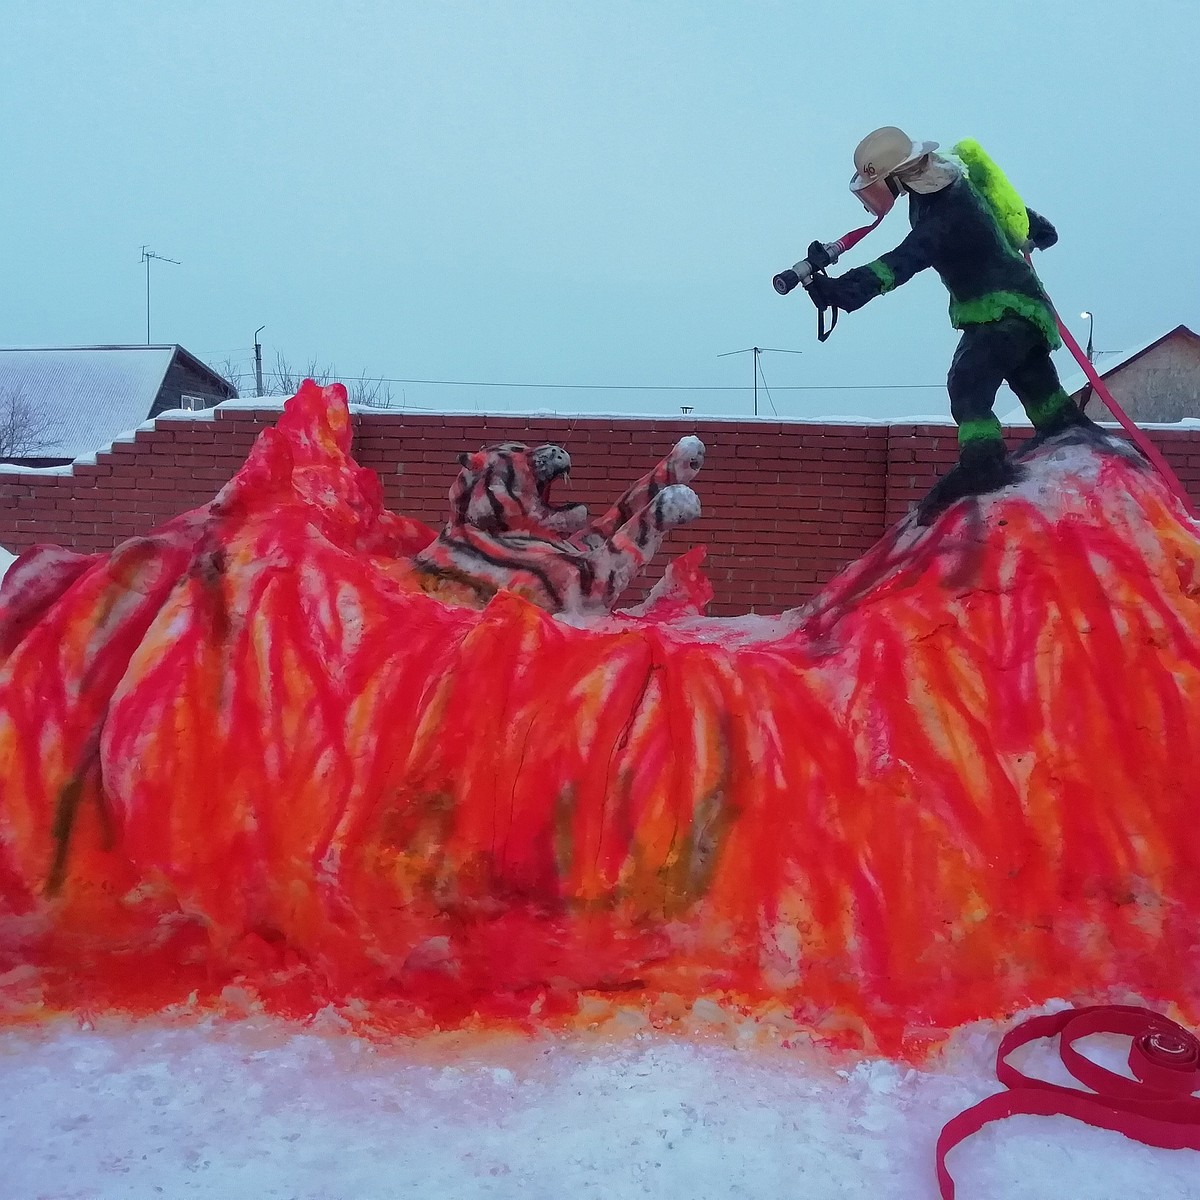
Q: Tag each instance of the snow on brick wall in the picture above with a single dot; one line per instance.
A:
(785, 505)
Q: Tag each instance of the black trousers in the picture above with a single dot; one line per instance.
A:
(1009, 351)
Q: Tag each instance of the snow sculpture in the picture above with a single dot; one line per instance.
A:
(251, 749)
(504, 531)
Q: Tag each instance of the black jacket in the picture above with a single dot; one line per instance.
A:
(955, 232)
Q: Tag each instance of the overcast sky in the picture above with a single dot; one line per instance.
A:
(572, 193)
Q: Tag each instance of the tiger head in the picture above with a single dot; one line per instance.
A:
(506, 489)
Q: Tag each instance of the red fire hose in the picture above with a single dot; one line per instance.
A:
(851, 239)
(1155, 1107)
(1139, 439)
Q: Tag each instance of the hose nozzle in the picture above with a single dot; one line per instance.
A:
(820, 256)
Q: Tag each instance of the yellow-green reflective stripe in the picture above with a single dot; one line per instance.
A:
(1039, 414)
(983, 429)
(885, 275)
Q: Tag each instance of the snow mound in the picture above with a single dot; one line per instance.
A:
(248, 751)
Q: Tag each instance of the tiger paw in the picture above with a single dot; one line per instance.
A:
(567, 518)
(686, 459)
(676, 505)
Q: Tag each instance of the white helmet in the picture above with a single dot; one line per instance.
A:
(876, 160)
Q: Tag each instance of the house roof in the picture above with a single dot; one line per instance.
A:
(1127, 357)
(90, 395)
(1075, 383)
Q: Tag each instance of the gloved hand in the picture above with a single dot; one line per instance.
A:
(1042, 235)
(822, 292)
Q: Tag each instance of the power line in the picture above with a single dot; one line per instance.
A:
(648, 387)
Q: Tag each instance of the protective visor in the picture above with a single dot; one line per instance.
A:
(876, 195)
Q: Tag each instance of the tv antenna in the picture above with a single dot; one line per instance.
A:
(147, 255)
(756, 351)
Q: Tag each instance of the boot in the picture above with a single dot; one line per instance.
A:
(1069, 417)
(982, 467)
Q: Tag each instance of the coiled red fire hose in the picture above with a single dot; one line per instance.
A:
(1156, 1107)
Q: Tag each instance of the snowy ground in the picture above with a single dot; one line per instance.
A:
(258, 1110)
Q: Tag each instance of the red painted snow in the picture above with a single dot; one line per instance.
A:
(245, 750)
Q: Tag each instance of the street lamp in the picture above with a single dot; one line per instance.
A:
(1086, 395)
(1087, 316)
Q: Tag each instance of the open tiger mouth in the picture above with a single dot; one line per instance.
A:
(545, 487)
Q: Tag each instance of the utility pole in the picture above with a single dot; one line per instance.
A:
(756, 351)
(258, 361)
(147, 255)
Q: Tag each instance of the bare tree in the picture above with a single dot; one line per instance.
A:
(372, 393)
(365, 390)
(285, 380)
(26, 431)
(231, 371)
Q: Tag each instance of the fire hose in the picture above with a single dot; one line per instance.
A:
(1156, 1106)
(1139, 439)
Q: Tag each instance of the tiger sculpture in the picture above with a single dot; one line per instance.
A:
(505, 532)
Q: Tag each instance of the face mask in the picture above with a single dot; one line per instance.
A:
(878, 196)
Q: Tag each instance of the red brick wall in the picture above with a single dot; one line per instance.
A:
(785, 505)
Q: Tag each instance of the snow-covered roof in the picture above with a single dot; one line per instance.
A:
(87, 395)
